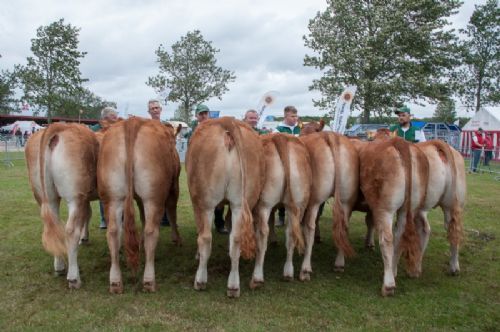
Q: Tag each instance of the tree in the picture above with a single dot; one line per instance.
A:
(190, 73)
(393, 51)
(53, 71)
(445, 111)
(83, 103)
(477, 79)
(7, 85)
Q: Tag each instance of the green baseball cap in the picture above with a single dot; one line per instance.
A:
(403, 109)
(200, 109)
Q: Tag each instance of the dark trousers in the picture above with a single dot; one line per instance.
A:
(219, 217)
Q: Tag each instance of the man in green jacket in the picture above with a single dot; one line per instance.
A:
(290, 122)
(405, 129)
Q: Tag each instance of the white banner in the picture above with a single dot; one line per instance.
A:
(343, 109)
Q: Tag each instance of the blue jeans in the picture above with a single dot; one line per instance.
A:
(476, 155)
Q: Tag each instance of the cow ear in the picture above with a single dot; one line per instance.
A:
(321, 124)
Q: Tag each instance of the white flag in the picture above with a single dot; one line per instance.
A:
(342, 109)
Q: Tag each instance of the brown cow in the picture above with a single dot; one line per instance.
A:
(335, 171)
(447, 189)
(393, 177)
(137, 160)
(224, 162)
(288, 181)
(62, 163)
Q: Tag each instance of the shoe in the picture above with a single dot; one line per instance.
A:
(222, 230)
(102, 225)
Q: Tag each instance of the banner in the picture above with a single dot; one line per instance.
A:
(265, 102)
(343, 109)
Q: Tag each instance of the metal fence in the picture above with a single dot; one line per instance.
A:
(10, 148)
(482, 161)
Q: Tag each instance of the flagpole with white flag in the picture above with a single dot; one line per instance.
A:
(343, 109)
(266, 101)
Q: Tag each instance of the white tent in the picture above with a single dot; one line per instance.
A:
(489, 121)
(23, 125)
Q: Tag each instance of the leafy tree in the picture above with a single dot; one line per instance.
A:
(190, 73)
(445, 111)
(82, 103)
(477, 79)
(393, 51)
(7, 85)
(53, 71)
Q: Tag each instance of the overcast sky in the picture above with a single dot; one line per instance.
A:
(260, 40)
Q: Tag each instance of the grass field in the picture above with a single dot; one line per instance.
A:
(32, 298)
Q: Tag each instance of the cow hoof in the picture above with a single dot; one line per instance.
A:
(305, 276)
(338, 268)
(60, 273)
(200, 285)
(317, 240)
(84, 241)
(74, 284)
(233, 293)
(388, 290)
(116, 288)
(414, 274)
(287, 278)
(254, 284)
(149, 286)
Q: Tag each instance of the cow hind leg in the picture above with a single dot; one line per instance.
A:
(233, 282)
(261, 236)
(78, 212)
(171, 209)
(204, 225)
(453, 224)
(153, 215)
(370, 232)
(308, 229)
(59, 266)
(272, 234)
(424, 231)
(290, 244)
(384, 222)
(344, 214)
(114, 215)
(84, 235)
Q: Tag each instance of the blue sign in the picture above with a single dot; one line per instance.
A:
(213, 114)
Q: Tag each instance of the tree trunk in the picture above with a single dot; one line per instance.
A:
(478, 91)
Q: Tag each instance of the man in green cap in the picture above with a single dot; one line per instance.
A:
(405, 129)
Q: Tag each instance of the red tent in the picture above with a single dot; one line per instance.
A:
(489, 120)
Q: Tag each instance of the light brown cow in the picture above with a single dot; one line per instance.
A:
(288, 181)
(224, 162)
(393, 177)
(62, 163)
(137, 160)
(335, 172)
(447, 189)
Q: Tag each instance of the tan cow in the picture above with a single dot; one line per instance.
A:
(335, 172)
(62, 163)
(224, 162)
(137, 160)
(288, 181)
(393, 177)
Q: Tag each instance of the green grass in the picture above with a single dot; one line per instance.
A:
(32, 298)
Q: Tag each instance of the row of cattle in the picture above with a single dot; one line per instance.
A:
(228, 163)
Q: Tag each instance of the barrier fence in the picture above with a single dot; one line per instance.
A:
(482, 161)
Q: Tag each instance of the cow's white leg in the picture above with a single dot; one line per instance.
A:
(309, 227)
(59, 265)
(424, 232)
(290, 246)
(151, 233)
(384, 222)
(204, 226)
(370, 231)
(261, 238)
(114, 215)
(454, 263)
(233, 282)
(78, 212)
(399, 229)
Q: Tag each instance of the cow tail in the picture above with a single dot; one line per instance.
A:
(246, 236)
(410, 244)
(132, 242)
(340, 230)
(281, 143)
(54, 235)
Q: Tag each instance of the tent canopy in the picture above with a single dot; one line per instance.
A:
(489, 120)
(23, 125)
